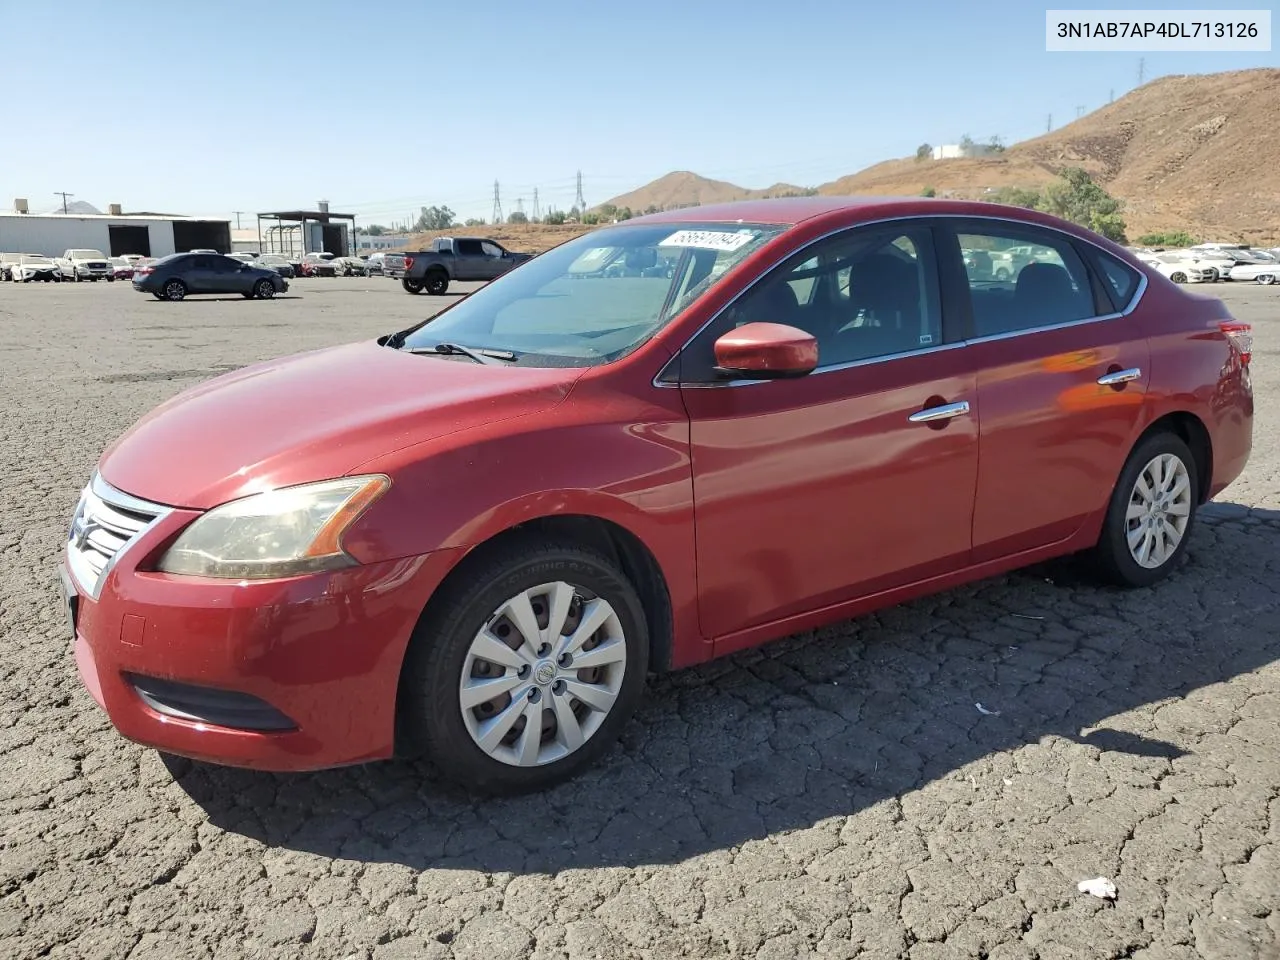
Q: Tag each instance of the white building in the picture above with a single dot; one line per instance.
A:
(114, 233)
(388, 241)
(955, 151)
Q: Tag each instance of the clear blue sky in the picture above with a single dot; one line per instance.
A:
(382, 108)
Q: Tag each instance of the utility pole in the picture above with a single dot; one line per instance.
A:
(497, 203)
(537, 211)
(580, 203)
(1113, 95)
(1079, 111)
(63, 194)
(1142, 70)
(1048, 124)
(237, 213)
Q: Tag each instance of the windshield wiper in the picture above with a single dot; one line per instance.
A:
(478, 354)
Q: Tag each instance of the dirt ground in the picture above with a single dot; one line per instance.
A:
(837, 794)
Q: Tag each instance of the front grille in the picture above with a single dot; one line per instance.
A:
(105, 524)
(221, 708)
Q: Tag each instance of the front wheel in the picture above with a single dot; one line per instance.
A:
(526, 667)
(264, 290)
(1178, 277)
(1267, 278)
(412, 286)
(1151, 513)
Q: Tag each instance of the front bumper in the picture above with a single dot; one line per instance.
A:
(284, 675)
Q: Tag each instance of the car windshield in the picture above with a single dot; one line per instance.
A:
(598, 297)
(86, 255)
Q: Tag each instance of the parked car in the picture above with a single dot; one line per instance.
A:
(457, 258)
(183, 274)
(85, 264)
(319, 265)
(386, 264)
(6, 261)
(1266, 273)
(1180, 268)
(121, 268)
(243, 257)
(821, 413)
(349, 267)
(280, 265)
(31, 267)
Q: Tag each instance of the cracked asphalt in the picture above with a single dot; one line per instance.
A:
(837, 794)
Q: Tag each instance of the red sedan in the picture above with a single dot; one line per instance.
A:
(656, 444)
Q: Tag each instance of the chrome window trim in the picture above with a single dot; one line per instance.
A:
(117, 498)
(1132, 305)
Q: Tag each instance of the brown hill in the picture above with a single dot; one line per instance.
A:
(1193, 153)
(681, 188)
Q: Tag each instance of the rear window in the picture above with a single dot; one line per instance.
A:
(1121, 279)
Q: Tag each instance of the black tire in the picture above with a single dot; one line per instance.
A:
(111, 279)
(430, 709)
(1178, 277)
(247, 296)
(1267, 278)
(436, 282)
(264, 289)
(412, 286)
(174, 290)
(1111, 557)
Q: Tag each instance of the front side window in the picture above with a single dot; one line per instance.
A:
(1023, 278)
(490, 249)
(869, 292)
(597, 297)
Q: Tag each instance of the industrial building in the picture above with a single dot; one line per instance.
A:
(115, 233)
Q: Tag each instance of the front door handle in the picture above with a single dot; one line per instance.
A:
(1119, 377)
(947, 411)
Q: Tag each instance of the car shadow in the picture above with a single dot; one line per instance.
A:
(234, 298)
(822, 724)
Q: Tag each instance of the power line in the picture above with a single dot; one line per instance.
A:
(64, 194)
(497, 203)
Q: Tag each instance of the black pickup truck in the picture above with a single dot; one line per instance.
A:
(457, 258)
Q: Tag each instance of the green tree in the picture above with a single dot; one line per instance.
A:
(1018, 197)
(373, 230)
(924, 151)
(1178, 238)
(434, 218)
(996, 144)
(518, 216)
(651, 208)
(608, 211)
(554, 217)
(966, 143)
(1075, 197)
(625, 214)
(591, 218)
(928, 192)
(474, 222)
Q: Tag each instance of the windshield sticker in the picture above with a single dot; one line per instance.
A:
(708, 239)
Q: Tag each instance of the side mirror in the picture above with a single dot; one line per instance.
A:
(766, 351)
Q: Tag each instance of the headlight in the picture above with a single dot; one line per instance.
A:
(280, 533)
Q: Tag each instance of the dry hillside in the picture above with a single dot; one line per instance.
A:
(684, 189)
(1194, 153)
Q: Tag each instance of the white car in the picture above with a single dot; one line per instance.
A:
(31, 267)
(243, 257)
(1259, 272)
(85, 264)
(1179, 268)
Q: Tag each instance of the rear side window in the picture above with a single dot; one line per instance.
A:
(1022, 278)
(468, 248)
(1120, 278)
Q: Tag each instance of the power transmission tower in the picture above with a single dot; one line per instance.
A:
(537, 210)
(237, 213)
(578, 202)
(1113, 96)
(1079, 111)
(1048, 124)
(1142, 70)
(519, 204)
(63, 194)
(497, 204)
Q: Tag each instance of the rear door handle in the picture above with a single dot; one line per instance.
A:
(1120, 376)
(945, 412)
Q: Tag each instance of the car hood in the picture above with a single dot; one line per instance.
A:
(314, 416)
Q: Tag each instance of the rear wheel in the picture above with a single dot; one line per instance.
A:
(175, 290)
(437, 282)
(1267, 278)
(411, 286)
(1178, 277)
(1151, 513)
(526, 668)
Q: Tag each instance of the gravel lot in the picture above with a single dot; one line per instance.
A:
(836, 794)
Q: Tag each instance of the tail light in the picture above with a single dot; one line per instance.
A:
(141, 271)
(408, 263)
(1240, 334)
